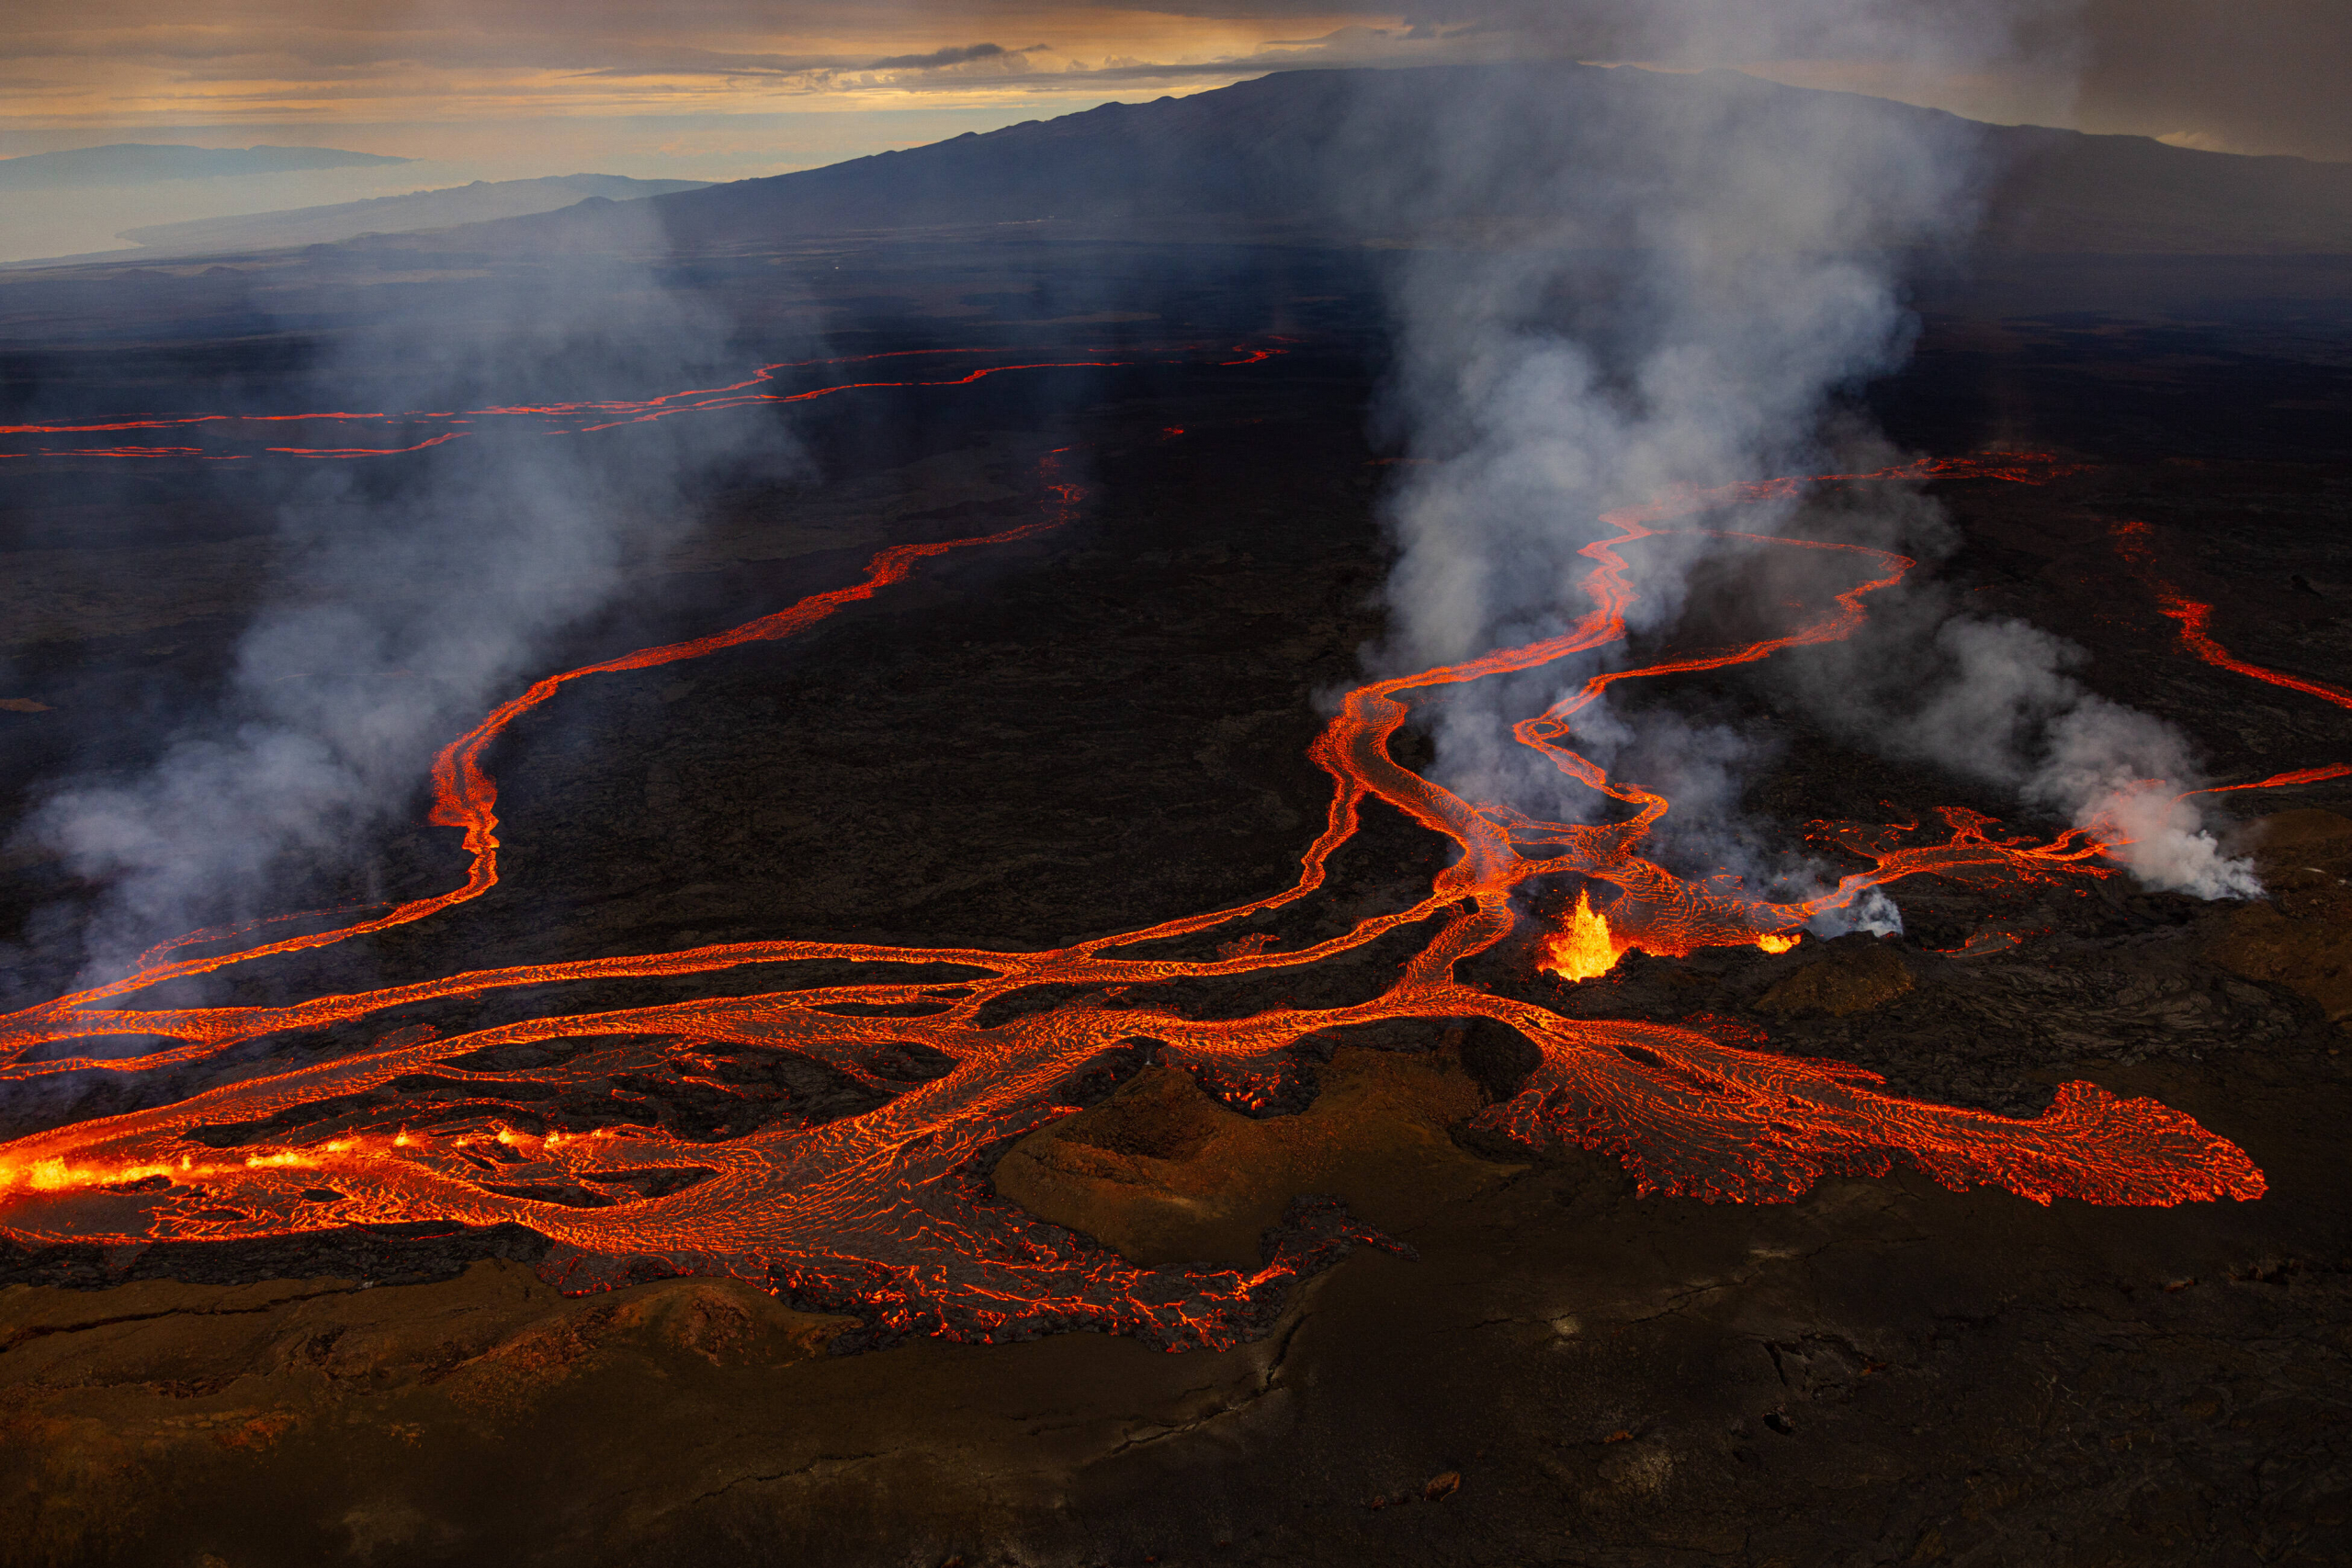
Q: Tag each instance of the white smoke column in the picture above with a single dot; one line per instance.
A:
(2110, 767)
(1992, 700)
(414, 593)
(1692, 268)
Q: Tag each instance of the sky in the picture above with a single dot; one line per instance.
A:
(728, 89)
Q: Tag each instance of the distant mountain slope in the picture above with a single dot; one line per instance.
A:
(1370, 155)
(474, 203)
(133, 162)
(2067, 191)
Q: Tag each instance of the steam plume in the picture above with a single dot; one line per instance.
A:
(414, 591)
(1701, 264)
(1992, 700)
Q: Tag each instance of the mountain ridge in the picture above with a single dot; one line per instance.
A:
(140, 163)
(481, 201)
(1344, 155)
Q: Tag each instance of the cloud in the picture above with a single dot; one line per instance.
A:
(2244, 78)
(672, 62)
(938, 57)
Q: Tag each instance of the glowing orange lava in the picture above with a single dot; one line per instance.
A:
(436, 428)
(879, 1213)
(2133, 542)
(1582, 948)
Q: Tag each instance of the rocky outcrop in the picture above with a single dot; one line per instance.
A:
(1164, 1174)
(1861, 972)
(2301, 937)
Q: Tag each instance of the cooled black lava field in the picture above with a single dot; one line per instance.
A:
(1107, 725)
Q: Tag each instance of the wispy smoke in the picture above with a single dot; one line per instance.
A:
(1992, 700)
(1627, 281)
(414, 593)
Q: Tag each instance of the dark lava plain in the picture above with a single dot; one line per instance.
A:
(1105, 726)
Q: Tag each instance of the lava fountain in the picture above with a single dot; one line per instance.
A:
(1582, 948)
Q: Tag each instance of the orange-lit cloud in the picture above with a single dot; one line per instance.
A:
(122, 63)
(2253, 74)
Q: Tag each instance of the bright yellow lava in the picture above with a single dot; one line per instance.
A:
(1585, 948)
(55, 1175)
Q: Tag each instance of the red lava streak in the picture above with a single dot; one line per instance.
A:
(2133, 543)
(236, 432)
(882, 1212)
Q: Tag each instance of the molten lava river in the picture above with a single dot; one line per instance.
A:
(884, 1214)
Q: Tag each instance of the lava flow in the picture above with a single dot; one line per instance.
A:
(245, 435)
(880, 1212)
(2132, 542)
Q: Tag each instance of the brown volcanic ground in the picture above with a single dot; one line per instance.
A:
(1107, 725)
